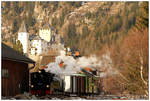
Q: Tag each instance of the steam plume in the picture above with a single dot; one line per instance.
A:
(72, 65)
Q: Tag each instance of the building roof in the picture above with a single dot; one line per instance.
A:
(75, 74)
(31, 37)
(23, 27)
(37, 38)
(10, 54)
(46, 26)
(47, 59)
(88, 73)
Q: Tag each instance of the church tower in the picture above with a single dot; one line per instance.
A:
(23, 37)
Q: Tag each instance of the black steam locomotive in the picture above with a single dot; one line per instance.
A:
(40, 82)
(44, 83)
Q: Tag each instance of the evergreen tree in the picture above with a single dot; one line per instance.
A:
(18, 46)
(142, 21)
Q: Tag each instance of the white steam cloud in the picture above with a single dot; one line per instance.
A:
(71, 65)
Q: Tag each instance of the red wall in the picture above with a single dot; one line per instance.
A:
(18, 74)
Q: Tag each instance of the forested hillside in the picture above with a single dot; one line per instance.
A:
(83, 26)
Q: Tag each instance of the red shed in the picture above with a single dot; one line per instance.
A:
(14, 72)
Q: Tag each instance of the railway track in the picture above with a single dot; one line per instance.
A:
(97, 97)
(27, 96)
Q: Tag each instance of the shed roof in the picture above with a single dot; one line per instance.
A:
(10, 54)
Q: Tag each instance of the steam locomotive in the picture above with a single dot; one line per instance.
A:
(40, 82)
(44, 83)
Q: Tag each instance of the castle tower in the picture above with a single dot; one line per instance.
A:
(45, 33)
(23, 37)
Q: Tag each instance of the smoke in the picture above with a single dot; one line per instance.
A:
(107, 66)
(71, 65)
(91, 61)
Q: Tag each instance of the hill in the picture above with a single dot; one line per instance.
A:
(82, 25)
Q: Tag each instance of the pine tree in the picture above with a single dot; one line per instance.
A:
(142, 21)
(18, 46)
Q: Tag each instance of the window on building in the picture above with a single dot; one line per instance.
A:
(4, 72)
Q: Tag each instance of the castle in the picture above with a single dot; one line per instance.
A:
(40, 43)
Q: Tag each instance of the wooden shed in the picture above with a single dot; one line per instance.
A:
(14, 72)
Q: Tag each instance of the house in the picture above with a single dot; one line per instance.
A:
(23, 37)
(38, 46)
(14, 72)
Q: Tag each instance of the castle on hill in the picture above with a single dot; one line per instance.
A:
(39, 43)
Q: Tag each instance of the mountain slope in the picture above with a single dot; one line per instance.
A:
(86, 26)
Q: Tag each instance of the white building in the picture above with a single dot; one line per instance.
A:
(45, 33)
(23, 37)
(38, 46)
(57, 42)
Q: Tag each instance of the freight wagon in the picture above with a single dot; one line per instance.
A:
(80, 84)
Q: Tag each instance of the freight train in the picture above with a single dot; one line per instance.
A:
(44, 83)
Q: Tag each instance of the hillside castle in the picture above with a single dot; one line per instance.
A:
(39, 43)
